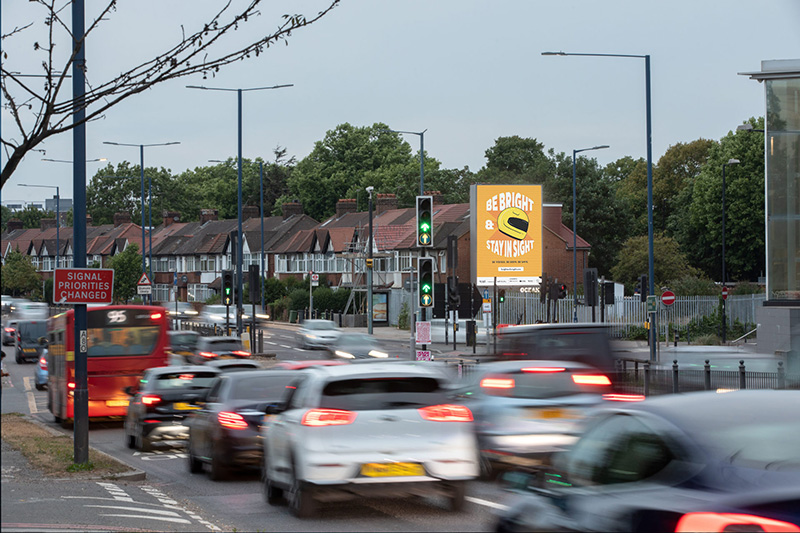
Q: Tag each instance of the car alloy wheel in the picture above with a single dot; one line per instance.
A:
(218, 470)
(301, 497)
(143, 443)
(195, 464)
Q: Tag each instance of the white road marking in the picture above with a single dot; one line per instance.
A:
(164, 519)
(29, 393)
(487, 503)
(272, 343)
(139, 509)
(284, 346)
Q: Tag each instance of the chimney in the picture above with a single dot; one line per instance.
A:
(252, 211)
(207, 215)
(344, 206)
(14, 224)
(293, 208)
(121, 218)
(438, 197)
(88, 220)
(385, 202)
(47, 223)
(168, 217)
(551, 216)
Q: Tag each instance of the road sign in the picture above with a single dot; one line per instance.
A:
(315, 280)
(144, 280)
(724, 293)
(175, 279)
(485, 294)
(184, 278)
(423, 332)
(424, 355)
(668, 298)
(487, 305)
(652, 303)
(83, 286)
(144, 289)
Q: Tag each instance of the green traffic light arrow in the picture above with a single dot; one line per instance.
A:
(424, 226)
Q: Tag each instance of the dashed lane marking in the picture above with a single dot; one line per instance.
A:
(487, 503)
(28, 380)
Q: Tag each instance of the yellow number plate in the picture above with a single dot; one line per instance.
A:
(392, 469)
(181, 406)
(551, 413)
(117, 403)
(29, 350)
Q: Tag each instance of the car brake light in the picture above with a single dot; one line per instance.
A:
(150, 399)
(328, 417)
(590, 379)
(543, 369)
(208, 355)
(9, 330)
(731, 522)
(187, 377)
(155, 316)
(241, 353)
(497, 383)
(624, 397)
(43, 363)
(71, 385)
(446, 413)
(231, 420)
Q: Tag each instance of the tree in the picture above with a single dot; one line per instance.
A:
(632, 191)
(6, 216)
(41, 111)
(127, 267)
(668, 262)
(20, 277)
(516, 160)
(32, 216)
(673, 184)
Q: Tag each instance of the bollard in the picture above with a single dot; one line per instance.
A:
(707, 375)
(781, 375)
(676, 338)
(742, 383)
(674, 376)
(688, 341)
(646, 379)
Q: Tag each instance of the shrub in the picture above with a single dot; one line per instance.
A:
(402, 318)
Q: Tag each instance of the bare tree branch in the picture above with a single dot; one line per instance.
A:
(42, 113)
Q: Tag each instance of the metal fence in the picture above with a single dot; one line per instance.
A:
(628, 313)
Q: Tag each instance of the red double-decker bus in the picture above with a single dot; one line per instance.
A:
(123, 341)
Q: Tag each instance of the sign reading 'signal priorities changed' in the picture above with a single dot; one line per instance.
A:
(506, 223)
(83, 286)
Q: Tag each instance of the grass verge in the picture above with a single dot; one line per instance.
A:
(52, 454)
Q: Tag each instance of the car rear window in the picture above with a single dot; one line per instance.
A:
(224, 345)
(369, 394)
(260, 388)
(536, 385)
(31, 331)
(184, 340)
(184, 380)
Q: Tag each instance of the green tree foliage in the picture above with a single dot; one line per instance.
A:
(673, 183)
(516, 160)
(31, 216)
(127, 267)
(6, 216)
(632, 191)
(20, 277)
(669, 262)
(744, 207)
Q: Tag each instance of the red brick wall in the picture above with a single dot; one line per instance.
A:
(557, 259)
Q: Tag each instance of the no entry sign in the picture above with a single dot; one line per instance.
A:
(668, 298)
(83, 286)
(724, 293)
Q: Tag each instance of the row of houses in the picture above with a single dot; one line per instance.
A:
(294, 244)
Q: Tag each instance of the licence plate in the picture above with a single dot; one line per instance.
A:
(227, 357)
(552, 413)
(29, 350)
(117, 403)
(181, 406)
(392, 469)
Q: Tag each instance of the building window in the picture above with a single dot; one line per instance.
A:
(199, 293)
(161, 292)
(208, 264)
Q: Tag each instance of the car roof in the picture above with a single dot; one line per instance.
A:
(508, 366)
(381, 368)
(258, 373)
(182, 368)
(232, 362)
(221, 338)
(31, 320)
(569, 326)
(174, 332)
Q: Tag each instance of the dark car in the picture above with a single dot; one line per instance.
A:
(234, 365)
(210, 348)
(10, 333)
(356, 346)
(225, 432)
(158, 408)
(183, 345)
(692, 462)
(31, 340)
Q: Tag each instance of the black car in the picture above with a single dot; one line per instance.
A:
(356, 346)
(183, 345)
(158, 408)
(691, 462)
(225, 432)
(211, 348)
(31, 340)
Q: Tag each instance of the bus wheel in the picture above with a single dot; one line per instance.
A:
(66, 423)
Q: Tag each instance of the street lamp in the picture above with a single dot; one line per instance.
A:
(369, 265)
(649, 166)
(239, 282)
(575, 232)
(730, 162)
(149, 192)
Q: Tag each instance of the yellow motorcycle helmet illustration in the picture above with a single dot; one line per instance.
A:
(513, 222)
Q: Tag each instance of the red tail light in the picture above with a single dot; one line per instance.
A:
(241, 353)
(623, 397)
(9, 330)
(71, 385)
(591, 379)
(497, 383)
(151, 399)
(446, 413)
(43, 363)
(328, 417)
(231, 420)
(543, 369)
(208, 355)
(718, 522)
(155, 316)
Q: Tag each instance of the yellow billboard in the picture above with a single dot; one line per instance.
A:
(506, 224)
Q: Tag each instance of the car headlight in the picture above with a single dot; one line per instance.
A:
(192, 312)
(376, 353)
(310, 336)
(344, 354)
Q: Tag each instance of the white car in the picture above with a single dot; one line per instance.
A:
(315, 333)
(373, 428)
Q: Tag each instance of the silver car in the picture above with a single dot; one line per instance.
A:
(316, 333)
(371, 428)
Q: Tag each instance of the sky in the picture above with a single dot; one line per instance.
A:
(466, 71)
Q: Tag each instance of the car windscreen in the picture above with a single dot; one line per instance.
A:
(322, 325)
(183, 340)
(369, 394)
(182, 380)
(765, 444)
(31, 331)
(540, 384)
(260, 388)
(588, 347)
(224, 345)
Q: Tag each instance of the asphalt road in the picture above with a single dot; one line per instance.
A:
(193, 502)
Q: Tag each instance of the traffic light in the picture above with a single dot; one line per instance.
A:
(453, 297)
(227, 287)
(543, 288)
(425, 221)
(643, 287)
(425, 271)
(501, 296)
(590, 286)
(562, 291)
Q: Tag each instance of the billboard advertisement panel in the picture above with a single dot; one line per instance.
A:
(506, 224)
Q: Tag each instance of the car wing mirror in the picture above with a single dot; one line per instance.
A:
(275, 408)
(129, 390)
(43, 341)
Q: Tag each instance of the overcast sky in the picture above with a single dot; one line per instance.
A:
(468, 71)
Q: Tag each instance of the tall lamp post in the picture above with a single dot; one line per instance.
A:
(239, 282)
(730, 162)
(649, 136)
(149, 191)
(369, 265)
(575, 232)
